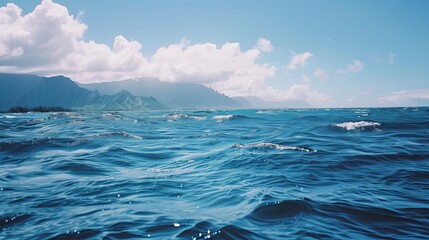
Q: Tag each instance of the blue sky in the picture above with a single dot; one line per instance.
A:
(367, 53)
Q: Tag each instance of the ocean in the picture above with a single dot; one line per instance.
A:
(218, 174)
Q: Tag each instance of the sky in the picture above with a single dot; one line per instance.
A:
(328, 53)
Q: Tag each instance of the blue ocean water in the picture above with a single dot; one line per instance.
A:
(242, 174)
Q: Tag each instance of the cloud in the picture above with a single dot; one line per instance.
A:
(319, 73)
(406, 98)
(304, 92)
(391, 58)
(207, 63)
(301, 92)
(225, 68)
(299, 60)
(264, 45)
(305, 78)
(49, 41)
(354, 67)
(34, 34)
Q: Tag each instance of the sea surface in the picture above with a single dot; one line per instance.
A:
(238, 174)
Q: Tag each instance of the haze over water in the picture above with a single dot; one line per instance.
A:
(239, 174)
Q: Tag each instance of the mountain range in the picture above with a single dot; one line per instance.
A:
(32, 91)
(173, 95)
(25, 90)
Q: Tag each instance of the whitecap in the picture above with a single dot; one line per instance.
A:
(7, 116)
(177, 116)
(273, 145)
(222, 117)
(265, 112)
(198, 118)
(355, 125)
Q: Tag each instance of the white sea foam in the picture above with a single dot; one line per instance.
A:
(121, 134)
(355, 125)
(222, 117)
(265, 112)
(7, 116)
(274, 145)
(177, 116)
(198, 118)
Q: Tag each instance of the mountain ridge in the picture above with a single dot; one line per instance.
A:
(173, 95)
(28, 90)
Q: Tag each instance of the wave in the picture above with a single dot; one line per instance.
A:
(357, 125)
(112, 116)
(222, 117)
(79, 168)
(178, 180)
(219, 118)
(7, 116)
(178, 116)
(265, 111)
(345, 214)
(274, 145)
(201, 231)
(10, 220)
(279, 210)
(118, 134)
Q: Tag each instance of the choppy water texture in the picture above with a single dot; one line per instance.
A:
(244, 174)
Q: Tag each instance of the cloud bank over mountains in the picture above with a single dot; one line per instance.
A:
(50, 41)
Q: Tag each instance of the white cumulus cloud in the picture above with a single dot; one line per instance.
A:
(354, 67)
(207, 63)
(319, 73)
(301, 92)
(264, 45)
(305, 78)
(50, 41)
(299, 60)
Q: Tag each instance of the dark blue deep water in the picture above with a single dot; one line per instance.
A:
(242, 174)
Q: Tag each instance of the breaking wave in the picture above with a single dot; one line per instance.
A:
(357, 125)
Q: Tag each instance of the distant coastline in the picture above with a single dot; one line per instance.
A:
(21, 109)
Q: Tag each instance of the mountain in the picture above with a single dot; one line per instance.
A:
(173, 95)
(255, 102)
(243, 102)
(123, 100)
(32, 91)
